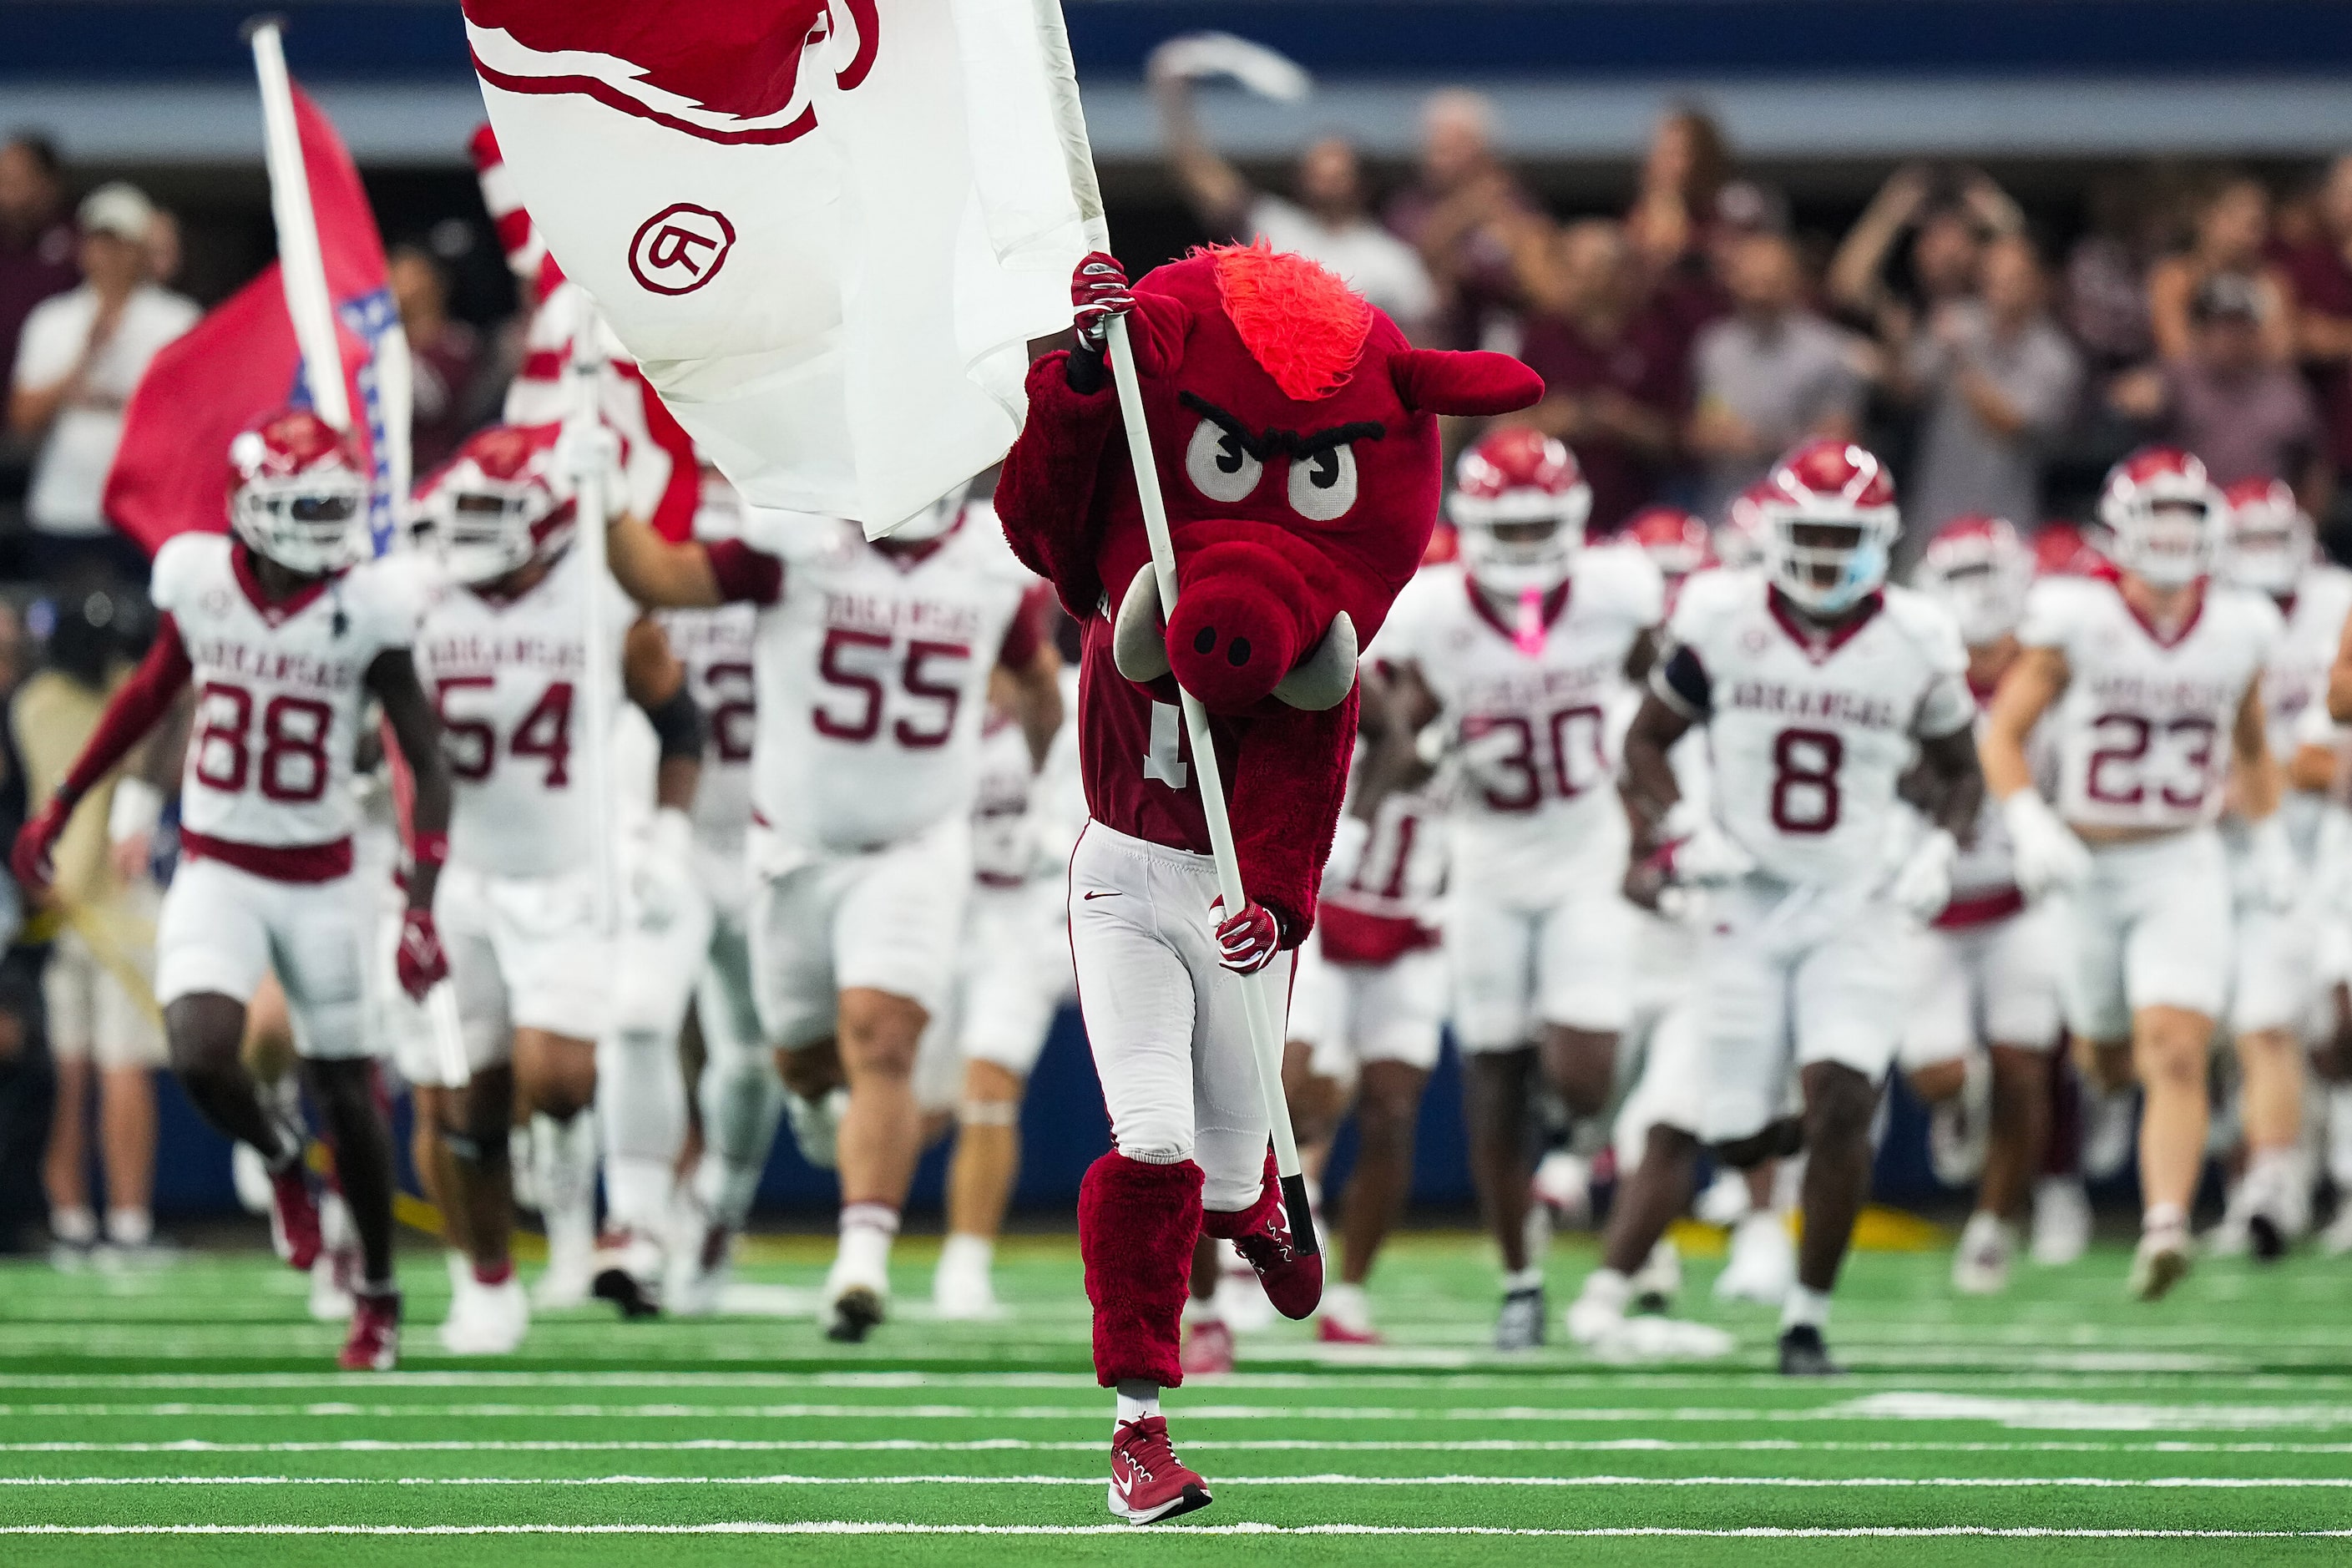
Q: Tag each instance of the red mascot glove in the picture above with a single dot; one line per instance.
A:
(1098, 290)
(420, 962)
(29, 859)
(1246, 942)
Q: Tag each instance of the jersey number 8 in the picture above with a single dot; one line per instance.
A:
(293, 763)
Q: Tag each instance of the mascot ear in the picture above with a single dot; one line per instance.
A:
(1158, 327)
(1439, 381)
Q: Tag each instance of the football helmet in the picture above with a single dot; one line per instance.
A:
(1828, 524)
(2163, 517)
(1676, 542)
(298, 487)
(1520, 503)
(932, 523)
(2269, 540)
(502, 502)
(1978, 568)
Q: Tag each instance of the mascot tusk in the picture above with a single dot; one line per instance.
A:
(1325, 676)
(1139, 638)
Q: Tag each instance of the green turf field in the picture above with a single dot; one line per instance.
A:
(191, 1416)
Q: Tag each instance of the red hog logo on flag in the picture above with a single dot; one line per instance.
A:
(739, 71)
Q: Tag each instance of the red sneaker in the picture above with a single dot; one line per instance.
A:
(1208, 1349)
(1293, 1283)
(294, 1218)
(1332, 1331)
(374, 1345)
(1147, 1482)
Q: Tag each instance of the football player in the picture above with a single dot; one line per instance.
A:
(2271, 548)
(503, 647)
(285, 631)
(1985, 982)
(2150, 677)
(871, 667)
(1518, 652)
(1818, 685)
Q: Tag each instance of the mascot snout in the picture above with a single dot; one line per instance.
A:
(1238, 637)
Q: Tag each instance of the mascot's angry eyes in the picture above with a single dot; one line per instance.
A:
(1225, 459)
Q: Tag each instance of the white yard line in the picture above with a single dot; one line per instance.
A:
(1332, 1478)
(1266, 1444)
(862, 1527)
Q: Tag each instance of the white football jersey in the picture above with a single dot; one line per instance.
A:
(2295, 681)
(1402, 873)
(1537, 799)
(1808, 734)
(279, 689)
(1003, 844)
(873, 670)
(507, 675)
(715, 647)
(2143, 730)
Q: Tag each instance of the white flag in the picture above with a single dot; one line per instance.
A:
(824, 230)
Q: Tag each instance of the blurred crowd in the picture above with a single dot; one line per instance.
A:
(1691, 336)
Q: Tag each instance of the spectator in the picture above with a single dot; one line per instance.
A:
(1997, 384)
(27, 1082)
(2231, 235)
(446, 354)
(2106, 303)
(2244, 414)
(164, 253)
(1687, 165)
(1458, 212)
(37, 243)
(106, 1042)
(1767, 376)
(81, 355)
(1947, 217)
(1330, 222)
(1613, 371)
(2320, 271)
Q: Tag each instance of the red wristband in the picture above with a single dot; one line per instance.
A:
(431, 849)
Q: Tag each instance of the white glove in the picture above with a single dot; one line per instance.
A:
(2278, 877)
(1922, 882)
(1699, 853)
(661, 875)
(2050, 859)
(591, 448)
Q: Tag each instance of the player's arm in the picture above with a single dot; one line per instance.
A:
(416, 730)
(129, 714)
(1031, 689)
(658, 572)
(1642, 656)
(2031, 686)
(1951, 783)
(655, 681)
(1217, 191)
(1395, 707)
(2255, 783)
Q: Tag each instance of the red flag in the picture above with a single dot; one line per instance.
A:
(170, 473)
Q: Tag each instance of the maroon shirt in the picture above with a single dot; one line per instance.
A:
(1646, 364)
(29, 273)
(2323, 282)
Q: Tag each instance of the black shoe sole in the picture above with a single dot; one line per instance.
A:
(2264, 1240)
(1195, 1500)
(854, 1316)
(620, 1288)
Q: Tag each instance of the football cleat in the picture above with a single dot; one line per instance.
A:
(1520, 1324)
(1803, 1354)
(853, 1308)
(373, 1344)
(486, 1319)
(627, 1270)
(816, 1126)
(1346, 1317)
(1293, 1281)
(1659, 1279)
(568, 1277)
(1763, 1262)
(1208, 1349)
(249, 1172)
(963, 1293)
(2061, 1221)
(2160, 1262)
(1980, 1263)
(700, 1272)
(294, 1217)
(1147, 1482)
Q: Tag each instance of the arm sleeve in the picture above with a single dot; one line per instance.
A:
(1288, 776)
(1045, 494)
(132, 710)
(745, 575)
(1679, 680)
(2048, 613)
(1947, 709)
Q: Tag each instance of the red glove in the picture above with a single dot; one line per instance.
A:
(1098, 290)
(420, 962)
(1246, 942)
(29, 859)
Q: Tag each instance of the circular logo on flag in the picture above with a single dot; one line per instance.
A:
(680, 249)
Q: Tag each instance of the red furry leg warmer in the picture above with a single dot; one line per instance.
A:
(1137, 1223)
(1225, 1225)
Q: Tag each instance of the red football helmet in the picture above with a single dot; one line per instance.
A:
(1519, 501)
(2163, 516)
(1676, 542)
(1828, 523)
(1978, 568)
(299, 488)
(2060, 551)
(2270, 540)
(502, 502)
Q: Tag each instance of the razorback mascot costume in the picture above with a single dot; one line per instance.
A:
(1296, 435)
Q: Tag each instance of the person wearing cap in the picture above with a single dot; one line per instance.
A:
(2244, 412)
(80, 355)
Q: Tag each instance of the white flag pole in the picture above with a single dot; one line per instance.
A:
(599, 680)
(300, 261)
(1263, 1008)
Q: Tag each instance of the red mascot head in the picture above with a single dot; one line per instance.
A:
(1295, 438)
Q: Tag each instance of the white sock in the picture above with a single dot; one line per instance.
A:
(637, 1192)
(641, 1116)
(76, 1226)
(968, 1255)
(1804, 1309)
(1608, 1288)
(867, 1232)
(1348, 1306)
(2161, 1218)
(564, 1155)
(1137, 1400)
(130, 1227)
(1531, 1278)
